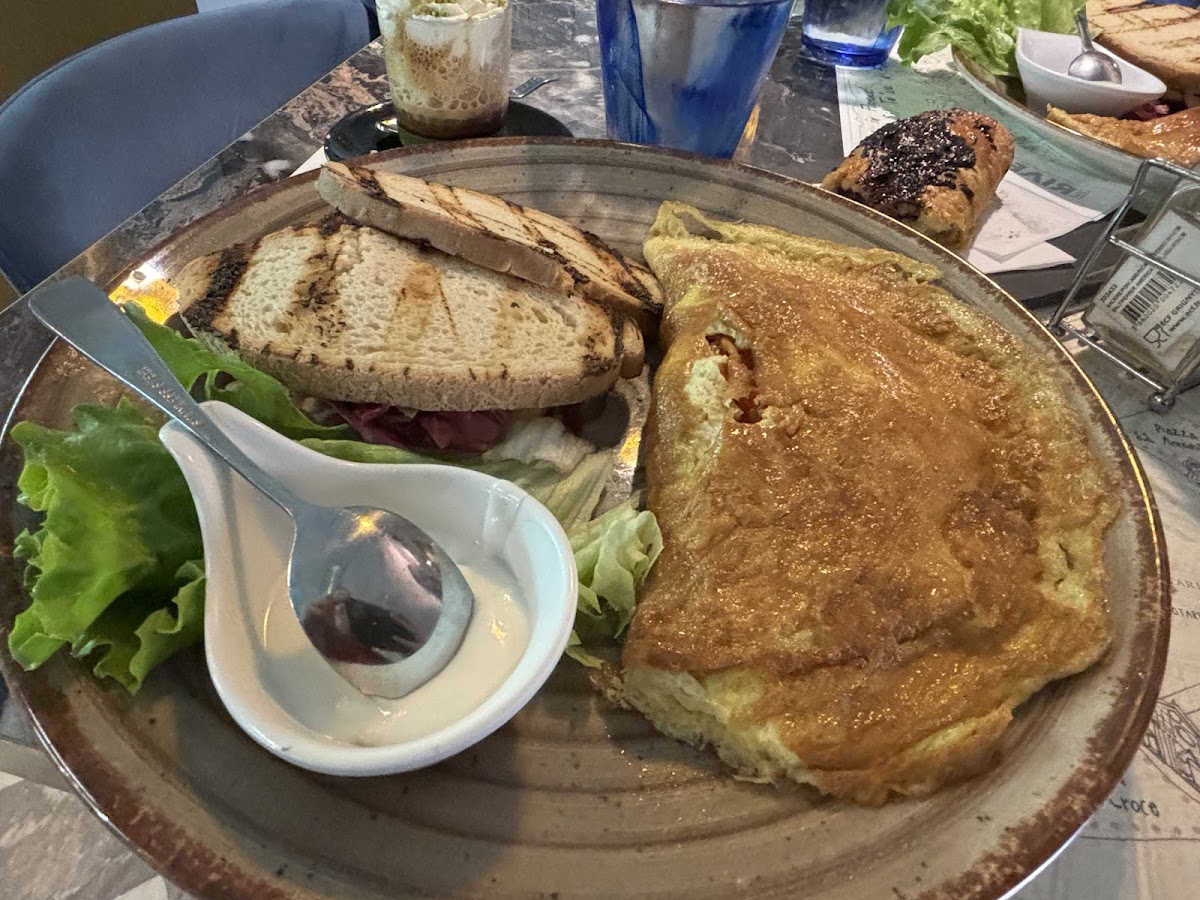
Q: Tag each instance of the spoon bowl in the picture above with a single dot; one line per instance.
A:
(1092, 65)
(369, 589)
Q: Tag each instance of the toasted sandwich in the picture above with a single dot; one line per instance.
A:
(1162, 38)
(496, 234)
(412, 346)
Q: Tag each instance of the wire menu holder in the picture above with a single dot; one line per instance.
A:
(1145, 318)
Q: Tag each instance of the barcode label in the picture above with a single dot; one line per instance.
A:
(1147, 298)
(1148, 312)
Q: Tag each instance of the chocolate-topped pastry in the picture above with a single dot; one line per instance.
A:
(935, 171)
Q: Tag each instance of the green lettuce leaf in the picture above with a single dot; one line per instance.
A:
(983, 30)
(108, 567)
(140, 632)
(613, 553)
(571, 498)
(253, 392)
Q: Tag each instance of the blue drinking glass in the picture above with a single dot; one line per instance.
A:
(686, 73)
(848, 32)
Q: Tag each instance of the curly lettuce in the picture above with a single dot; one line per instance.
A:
(613, 553)
(114, 567)
(983, 30)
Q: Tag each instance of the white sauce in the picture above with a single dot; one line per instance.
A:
(305, 686)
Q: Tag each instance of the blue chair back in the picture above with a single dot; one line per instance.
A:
(94, 139)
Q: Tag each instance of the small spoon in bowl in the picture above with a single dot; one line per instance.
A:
(382, 603)
(1091, 64)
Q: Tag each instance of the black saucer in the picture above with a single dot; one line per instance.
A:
(374, 128)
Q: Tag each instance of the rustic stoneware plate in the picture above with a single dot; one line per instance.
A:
(573, 798)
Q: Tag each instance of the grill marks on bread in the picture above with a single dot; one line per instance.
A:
(313, 308)
(496, 234)
(1164, 39)
(350, 313)
(220, 275)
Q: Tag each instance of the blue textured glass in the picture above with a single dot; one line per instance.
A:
(848, 32)
(686, 74)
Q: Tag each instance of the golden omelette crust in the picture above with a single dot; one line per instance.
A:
(1175, 137)
(899, 542)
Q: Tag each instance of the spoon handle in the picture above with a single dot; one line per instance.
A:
(82, 315)
(1084, 34)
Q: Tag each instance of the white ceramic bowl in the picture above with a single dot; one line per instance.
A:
(1042, 59)
(270, 678)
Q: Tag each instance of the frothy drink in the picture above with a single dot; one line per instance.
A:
(447, 65)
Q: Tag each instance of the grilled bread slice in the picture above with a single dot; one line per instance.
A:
(348, 313)
(869, 558)
(496, 234)
(1164, 39)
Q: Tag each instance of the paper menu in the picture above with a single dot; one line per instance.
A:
(313, 162)
(1024, 215)
(1015, 231)
(1144, 841)
(1043, 256)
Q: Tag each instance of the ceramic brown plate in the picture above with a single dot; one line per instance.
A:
(573, 798)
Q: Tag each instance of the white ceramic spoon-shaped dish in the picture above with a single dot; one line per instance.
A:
(1043, 58)
(282, 693)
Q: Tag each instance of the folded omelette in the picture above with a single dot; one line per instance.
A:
(882, 521)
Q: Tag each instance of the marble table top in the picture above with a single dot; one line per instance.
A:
(798, 135)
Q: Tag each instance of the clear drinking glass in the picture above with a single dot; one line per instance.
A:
(447, 64)
(686, 73)
(848, 32)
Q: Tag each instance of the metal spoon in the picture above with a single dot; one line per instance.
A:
(380, 601)
(1091, 64)
(527, 87)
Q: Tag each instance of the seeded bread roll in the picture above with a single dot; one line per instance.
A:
(936, 171)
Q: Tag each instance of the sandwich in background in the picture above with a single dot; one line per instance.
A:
(1162, 38)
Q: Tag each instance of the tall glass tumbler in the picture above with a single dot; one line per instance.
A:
(848, 32)
(447, 64)
(686, 73)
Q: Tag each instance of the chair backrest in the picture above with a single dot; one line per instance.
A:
(93, 140)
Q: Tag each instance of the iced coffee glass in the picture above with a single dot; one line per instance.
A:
(447, 65)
